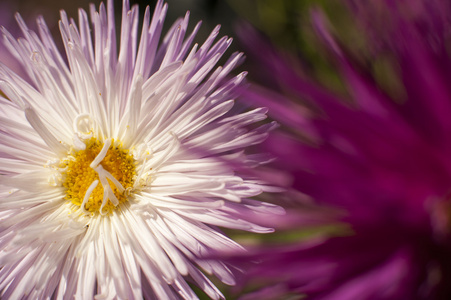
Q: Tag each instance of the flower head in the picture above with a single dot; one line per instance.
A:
(381, 155)
(116, 160)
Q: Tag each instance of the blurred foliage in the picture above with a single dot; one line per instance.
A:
(292, 235)
(287, 24)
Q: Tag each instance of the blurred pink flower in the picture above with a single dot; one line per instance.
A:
(384, 161)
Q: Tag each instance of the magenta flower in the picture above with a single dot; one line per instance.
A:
(382, 159)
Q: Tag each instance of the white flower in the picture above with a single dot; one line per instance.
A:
(115, 166)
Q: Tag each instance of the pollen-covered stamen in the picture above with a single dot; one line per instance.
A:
(107, 164)
(101, 154)
(108, 193)
(88, 194)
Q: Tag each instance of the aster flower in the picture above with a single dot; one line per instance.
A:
(381, 155)
(116, 166)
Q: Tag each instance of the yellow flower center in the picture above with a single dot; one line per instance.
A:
(99, 177)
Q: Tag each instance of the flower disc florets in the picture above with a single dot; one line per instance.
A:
(106, 163)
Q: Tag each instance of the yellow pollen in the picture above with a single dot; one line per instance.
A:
(80, 175)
